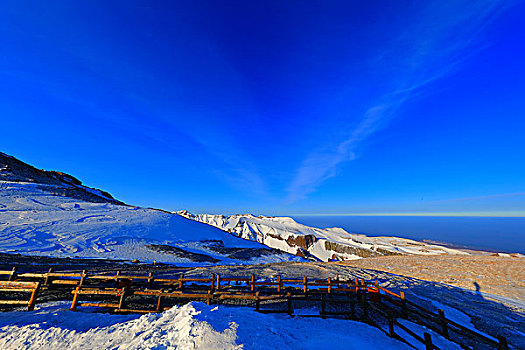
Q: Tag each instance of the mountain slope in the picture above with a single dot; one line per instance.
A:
(55, 182)
(49, 213)
(285, 234)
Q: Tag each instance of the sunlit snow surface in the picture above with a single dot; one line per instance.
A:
(33, 221)
(192, 326)
(276, 231)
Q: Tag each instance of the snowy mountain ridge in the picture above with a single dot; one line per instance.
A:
(285, 234)
(55, 182)
(53, 214)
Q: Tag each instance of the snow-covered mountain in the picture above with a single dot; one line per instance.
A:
(285, 234)
(51, 213)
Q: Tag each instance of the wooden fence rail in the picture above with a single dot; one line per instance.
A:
(20, 287)
(351, 291)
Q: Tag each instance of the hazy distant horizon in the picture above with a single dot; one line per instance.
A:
(503, 234)
(509, 214)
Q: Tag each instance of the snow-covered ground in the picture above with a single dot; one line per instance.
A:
(192, 326)
(35, 221)
(285, 234)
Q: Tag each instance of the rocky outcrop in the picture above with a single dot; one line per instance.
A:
(301, 241)
(181, 253)
(55, 182)
(350, 250)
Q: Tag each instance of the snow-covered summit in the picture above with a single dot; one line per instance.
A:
(285, 234)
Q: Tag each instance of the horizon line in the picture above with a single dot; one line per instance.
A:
(509, 214)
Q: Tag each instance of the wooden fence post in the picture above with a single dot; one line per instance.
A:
(13, 274)
(428, 342)
(289, 303)
(363, 304)
(75, 299)
(257, 302)
(329, 281)
(83, 278)
(32, 300)
(443, 321)
(253, 283)
(48, 279)
(279, 283)
(122, 301)
(208, 298)
(159, 304)
(117, 275)
(391, 330)
(305, 284)
(323, 305)
(404, 311)
(502, 343)
(150, 279)
(218, 282)
(181, 281)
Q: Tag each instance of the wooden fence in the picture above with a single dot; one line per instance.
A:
(20, 287)
(353, 298)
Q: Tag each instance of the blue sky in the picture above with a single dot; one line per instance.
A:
(276, 107)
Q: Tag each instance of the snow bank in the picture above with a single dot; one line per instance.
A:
(192, 326)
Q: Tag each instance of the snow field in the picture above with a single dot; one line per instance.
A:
(192, 326)
(36, 222)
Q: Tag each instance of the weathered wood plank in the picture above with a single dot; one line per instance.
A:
(66, 282)
(18, 284)
(14, 302)
(96, 292)
(136, 311)
(109, 305)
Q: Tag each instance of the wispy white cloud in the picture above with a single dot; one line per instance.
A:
(442, 37)
(322, 165)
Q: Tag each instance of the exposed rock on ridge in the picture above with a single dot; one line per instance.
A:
(58, 183)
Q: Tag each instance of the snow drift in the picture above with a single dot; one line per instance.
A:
(192, 326)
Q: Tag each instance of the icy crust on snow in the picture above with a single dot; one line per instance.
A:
(192, 326)
(34, 221)
(285, 234)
